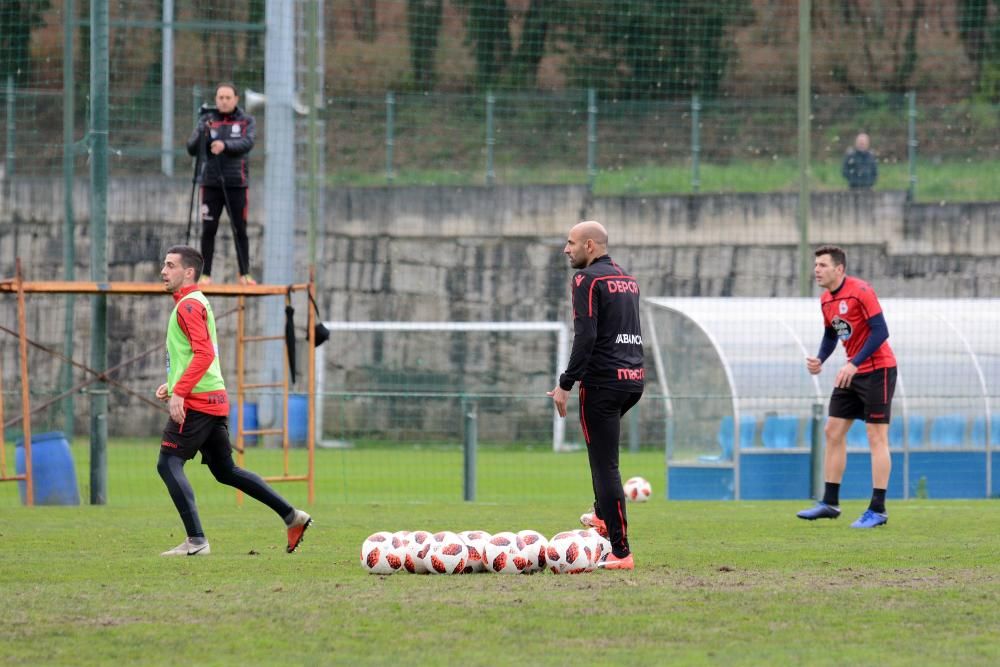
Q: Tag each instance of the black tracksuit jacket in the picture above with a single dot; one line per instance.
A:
(238, 131)
(607, 346)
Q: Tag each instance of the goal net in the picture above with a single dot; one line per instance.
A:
(409, 383)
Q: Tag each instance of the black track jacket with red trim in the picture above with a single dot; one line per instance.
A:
(238, 131)
(607, 345)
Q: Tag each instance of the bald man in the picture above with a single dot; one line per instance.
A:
(860, 168)
(607, 362)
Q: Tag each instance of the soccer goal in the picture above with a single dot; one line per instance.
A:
(411, 381)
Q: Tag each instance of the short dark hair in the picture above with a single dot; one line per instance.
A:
(190, 258)
(836, 253)
(227, 84)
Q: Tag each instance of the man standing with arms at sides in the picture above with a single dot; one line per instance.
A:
(860, 168)
(607, 361)
(228, 134)
(864, 385)
(199, 408)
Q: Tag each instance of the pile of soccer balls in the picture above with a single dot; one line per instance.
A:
(445, 552)
(525, 552)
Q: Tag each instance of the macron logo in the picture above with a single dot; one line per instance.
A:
(579, 279)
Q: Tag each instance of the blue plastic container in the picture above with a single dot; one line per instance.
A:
(298, 418)
(52, 470)
(249, 421)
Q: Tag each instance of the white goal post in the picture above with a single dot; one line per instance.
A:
(558, 328)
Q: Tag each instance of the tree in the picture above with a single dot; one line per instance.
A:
(488, 31)
(877, 49)
(651, 48)
(17, 19)
(423, 21)
(363, 20)
(979, 29)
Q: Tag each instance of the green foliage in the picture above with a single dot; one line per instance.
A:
(652, 48)
(423, 22)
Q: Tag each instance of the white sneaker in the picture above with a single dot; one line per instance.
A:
(187, 548)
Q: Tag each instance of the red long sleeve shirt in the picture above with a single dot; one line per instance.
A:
(192, 318)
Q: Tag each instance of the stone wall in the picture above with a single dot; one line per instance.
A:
(474, 253)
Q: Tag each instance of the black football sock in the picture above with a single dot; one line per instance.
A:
(831, 494)
(878, 501)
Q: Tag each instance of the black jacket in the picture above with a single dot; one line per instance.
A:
(230, 167)
(860, 169)
(607, 346)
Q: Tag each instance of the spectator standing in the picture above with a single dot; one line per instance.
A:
(860, 168)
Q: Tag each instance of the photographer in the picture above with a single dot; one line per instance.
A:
(222, 142)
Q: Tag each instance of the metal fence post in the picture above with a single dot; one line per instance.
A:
(167, 91)
(816, 467)
(591, 137)
(69, 217)
(633, 429)
(490, 140)
(695, 143)
(470, 440)
(9, 158)
(390, 117)
(911, 143)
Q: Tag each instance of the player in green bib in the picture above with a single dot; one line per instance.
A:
(195, 393)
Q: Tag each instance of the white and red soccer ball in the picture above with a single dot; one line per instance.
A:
(568, 553)
(475, 541)
(378, 555)
(447, 555)
(637, 489)
(532, 545)
(598, 544)
(502, 555)
(417, 547)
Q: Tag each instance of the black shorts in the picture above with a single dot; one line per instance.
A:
(869, 397)
(208, 434)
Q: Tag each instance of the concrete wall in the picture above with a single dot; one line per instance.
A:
(473, 253)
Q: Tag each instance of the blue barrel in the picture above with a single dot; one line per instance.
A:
(249, 421)
(52, 471)
(298, 418)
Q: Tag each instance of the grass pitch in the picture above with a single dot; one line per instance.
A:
(717, 583)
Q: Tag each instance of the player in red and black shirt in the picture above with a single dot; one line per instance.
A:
(607, 362)
(864, 385)
(195, 395)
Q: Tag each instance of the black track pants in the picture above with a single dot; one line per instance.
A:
(601, 411)
(213, 201)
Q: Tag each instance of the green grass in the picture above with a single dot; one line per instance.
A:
(936, 182)
(718, 583)
(737, 583)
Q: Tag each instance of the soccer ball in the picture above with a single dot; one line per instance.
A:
(397, 546)
(447, 554)
(599, 545)
(417, 548)
(476, 541)
(638, 489)
(376, 554)
(567, 553)
(532, 546)
(503, 556)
